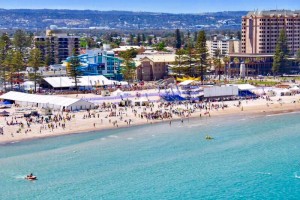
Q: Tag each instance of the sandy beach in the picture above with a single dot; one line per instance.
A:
(100, 119)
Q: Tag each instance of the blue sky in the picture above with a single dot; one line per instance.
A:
(170, 6)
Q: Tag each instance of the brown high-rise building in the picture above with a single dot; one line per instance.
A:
(57, 44)
(260, 31)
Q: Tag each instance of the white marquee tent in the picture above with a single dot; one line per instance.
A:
(47, 101)
(84, 81)
(118, 92)
(244, 87)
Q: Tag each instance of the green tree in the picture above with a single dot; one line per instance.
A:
(149, 40)
(18, 65)
(239, 35)
(195, 36)
(160, 46)
(226, 60)
(35, 61)
(247, 62)
(178, 39)
(8, 63)
(128, 68)
(143, 37)
(180, 62)
(202, 53)
(5, 45)
(129, 52)
(74, 70)
(21, 41)
(298, 56)
(139, 39)
(217, 61)
(131, 39)
(280, 62)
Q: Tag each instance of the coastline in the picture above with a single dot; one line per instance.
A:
(255, 109)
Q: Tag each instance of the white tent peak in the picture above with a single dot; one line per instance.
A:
(47, 101)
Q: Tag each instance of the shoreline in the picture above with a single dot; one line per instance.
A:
(251, 110)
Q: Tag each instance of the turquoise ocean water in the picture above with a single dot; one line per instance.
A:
(250, 158)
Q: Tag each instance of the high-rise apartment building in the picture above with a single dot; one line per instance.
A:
(260, 31)
(57, 45)
(225, 44)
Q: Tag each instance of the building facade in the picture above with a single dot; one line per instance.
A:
(224, 43)
(260, 31)
(57, 45)
(100, 62)
(154, 67)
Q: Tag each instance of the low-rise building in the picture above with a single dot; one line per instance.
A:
(100, 62)
(154, 67)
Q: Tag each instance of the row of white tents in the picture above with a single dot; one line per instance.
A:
(277, 91)
(47, 101)
(83, 81)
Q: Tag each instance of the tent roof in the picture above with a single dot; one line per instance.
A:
(244, 86)
(45, 99)
(117, 92)
(295, 88)
(187, 82)
(84, 81)
(285, 90)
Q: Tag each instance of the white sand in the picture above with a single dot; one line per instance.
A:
(78, 124)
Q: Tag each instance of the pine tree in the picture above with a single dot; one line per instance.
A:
(195, 36)
(21, 41)
(150, 40)
(5, 43)
(139, 39)
(8, 63)
(181, 63)
(74, 70)
(18, 64)
(128, 67)
(35, 61)
(280, 62)
(202, 53)
(178, 39)
(143, 37)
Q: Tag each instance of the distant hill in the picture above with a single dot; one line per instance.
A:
(125, 20)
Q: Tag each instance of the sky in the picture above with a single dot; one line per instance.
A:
(168, 6)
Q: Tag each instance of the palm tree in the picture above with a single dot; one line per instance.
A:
(247, 61)
(258, 59)
(217, 61)
(236, 61)
(226, 60)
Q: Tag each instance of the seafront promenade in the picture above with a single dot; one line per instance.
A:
(112, 116)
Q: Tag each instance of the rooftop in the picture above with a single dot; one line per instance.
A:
(161, 57)
(279, 13)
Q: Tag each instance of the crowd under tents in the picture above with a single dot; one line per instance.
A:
(47, 101)
(84, 81)
(143, 101)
